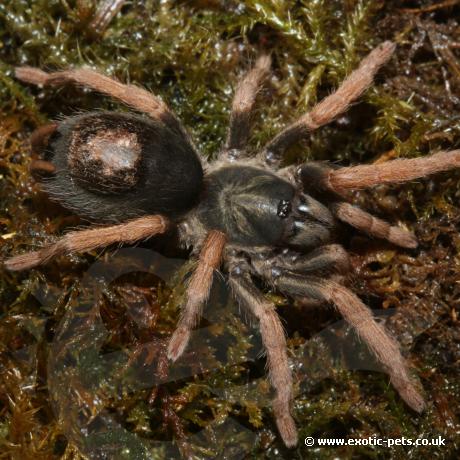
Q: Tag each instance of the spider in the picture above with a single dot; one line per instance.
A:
(241, 213)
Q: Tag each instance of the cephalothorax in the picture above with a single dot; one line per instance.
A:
(141, 176)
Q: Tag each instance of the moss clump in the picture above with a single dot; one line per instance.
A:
(80, 374)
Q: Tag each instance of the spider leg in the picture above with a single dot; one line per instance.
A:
(39, 141)
(94, 238)
(363, 176)
(242, 107)
(332, 106)
(39, 138)
(359, 316)
(133, 96)
(393, 171)
(330, 261)
(40, 167)
(326, 260)
(197, 291)
(374, 226)
(274, 342)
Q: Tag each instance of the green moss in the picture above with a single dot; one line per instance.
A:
(58, 343)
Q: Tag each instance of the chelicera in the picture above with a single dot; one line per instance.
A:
(241, 213)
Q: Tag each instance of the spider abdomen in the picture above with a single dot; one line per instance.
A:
(113, 166)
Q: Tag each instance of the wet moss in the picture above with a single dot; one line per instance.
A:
(80, 375)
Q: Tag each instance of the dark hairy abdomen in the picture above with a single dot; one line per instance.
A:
(113, 166)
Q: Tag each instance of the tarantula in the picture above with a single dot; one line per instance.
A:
(141, 176)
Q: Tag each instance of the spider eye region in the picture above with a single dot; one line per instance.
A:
(284, 208)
